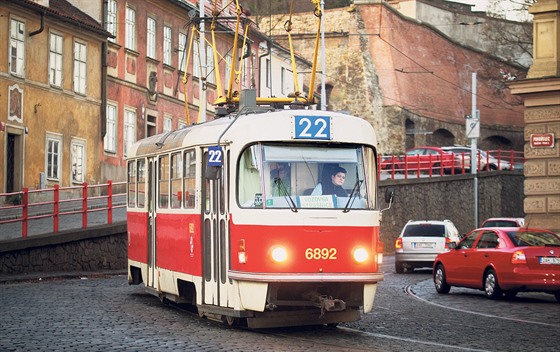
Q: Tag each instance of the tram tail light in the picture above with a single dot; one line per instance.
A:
(241, 252)
(360, 254)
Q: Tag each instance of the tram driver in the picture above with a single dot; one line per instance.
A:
(333, 184)
(280, 180)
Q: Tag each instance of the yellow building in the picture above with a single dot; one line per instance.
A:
(51, 95)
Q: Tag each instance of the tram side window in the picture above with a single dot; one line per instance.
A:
(189, 178)
(249, 182)
(163, 189)
(141, 182)
(176, 180)
(132, 184)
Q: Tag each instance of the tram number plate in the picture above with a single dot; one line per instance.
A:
(312, 127)
(549, 260)
(320, 253)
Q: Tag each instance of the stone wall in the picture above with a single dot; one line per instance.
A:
(105, 247)
(500, 193)
(93, 249)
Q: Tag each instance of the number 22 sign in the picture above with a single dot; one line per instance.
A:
(215, 156)
(312, 127)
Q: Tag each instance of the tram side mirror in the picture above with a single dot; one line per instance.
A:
(389, 194)
(213, 172)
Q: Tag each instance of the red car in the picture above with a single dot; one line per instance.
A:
(425, 159)
(500, 260)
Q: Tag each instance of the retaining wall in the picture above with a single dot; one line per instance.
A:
(500, 193)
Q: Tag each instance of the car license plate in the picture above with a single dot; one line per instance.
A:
(549, 260)
(424, 244)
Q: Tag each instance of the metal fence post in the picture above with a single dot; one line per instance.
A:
(56, 199)
(25, 212)
(84, 205)
(110, 202)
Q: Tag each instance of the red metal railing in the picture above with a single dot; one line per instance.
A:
(84, 199)
(412, 166)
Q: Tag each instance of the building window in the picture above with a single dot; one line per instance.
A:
(211, 70)
(196, 60)
(110, 139)
(151, 38)
(80, 68)
(228, 68)
(182, 52)
(112, 19)
(167, 38)
(268, 73)
(167, 124)
(130, 40)
(55, 60)
(17, 47)
(78, 156)
(129, 129)
(53, 157)
(181, 124)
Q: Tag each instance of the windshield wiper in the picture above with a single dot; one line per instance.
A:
(352, 197)
(284, 192)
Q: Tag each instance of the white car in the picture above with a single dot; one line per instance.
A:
(504, 222)
(421, 241)
(486, 161)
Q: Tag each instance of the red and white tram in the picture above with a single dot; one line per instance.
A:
(223, 215)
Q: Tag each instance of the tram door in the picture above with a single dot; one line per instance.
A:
(151, 201)
(215, 241)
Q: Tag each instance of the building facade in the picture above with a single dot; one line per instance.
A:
(410, 81)
(51, 108)
(154, 86)
(541, 95)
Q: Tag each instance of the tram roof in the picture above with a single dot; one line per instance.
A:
(251, 127)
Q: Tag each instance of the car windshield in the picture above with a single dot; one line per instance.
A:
(426, 230)
(533, 238)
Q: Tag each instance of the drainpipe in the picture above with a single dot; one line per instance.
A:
(42, 25)
(104, 75)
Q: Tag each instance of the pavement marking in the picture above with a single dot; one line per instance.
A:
(412, 340)
(409, 290)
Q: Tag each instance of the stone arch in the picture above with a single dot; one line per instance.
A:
(496, 142)
(409, 126)
(440, 137)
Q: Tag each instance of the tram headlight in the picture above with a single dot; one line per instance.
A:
(360, 254)
(279, 254)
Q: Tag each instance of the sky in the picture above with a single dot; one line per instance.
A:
(506, 5)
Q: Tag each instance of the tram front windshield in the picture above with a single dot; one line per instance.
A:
(297, 177)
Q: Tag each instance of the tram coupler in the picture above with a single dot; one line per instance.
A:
(326, 303)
